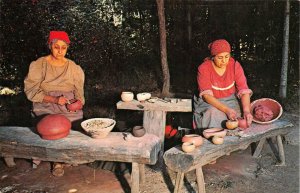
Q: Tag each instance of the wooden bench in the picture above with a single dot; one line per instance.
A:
(78, 148)
(181, 162)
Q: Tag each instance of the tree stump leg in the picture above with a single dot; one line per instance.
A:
(200, 180)
(280, 151)
(178, 182)
(10, 162)
(135, 179)
(259, 148)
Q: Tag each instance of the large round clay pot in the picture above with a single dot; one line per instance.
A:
(74, 105)
(197, 140)
(53, 127)
(208, 133)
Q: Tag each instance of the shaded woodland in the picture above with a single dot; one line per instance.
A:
(117, 45)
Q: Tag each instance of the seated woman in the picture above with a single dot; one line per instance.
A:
(222, 85)
(52, 81)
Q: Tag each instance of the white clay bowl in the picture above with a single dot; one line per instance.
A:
(127, 96)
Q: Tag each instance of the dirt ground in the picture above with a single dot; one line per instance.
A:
(239, 172)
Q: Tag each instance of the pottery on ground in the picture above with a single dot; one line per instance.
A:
(53, 127)
(232, 124)
(127, 96)
(74, 105)
(188, 147)
(218, 140)
(197, 140)
(271, 105)
(208, 133)
(138, 131)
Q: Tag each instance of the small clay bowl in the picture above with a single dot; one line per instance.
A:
(127, 96)
(188, 147)
(208, 133)
(218, 140)
(138, 131)
(232, 124)
(197, 140)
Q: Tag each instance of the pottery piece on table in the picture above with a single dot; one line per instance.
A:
(138, 131)
(188, 147)
(143, 96)
(53, 127)
(197, 140)
(243, 123)
(208, 133)
(232, 124)
(98, 127)
(218, 140)
(127, 96)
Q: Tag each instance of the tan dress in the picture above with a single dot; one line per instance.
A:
(46, 79)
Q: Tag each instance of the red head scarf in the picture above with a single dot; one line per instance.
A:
(219, 46)
(60, 35)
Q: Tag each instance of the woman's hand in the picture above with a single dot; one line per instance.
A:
(248, 117)
(231, 114)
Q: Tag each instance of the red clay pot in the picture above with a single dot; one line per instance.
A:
(243, 123)
(53, 127)
(74, 105)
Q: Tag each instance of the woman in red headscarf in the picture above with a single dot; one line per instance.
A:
(54, 80)
(221, 83)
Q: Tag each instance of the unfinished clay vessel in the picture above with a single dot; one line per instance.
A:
(197, 140)
(138, 131)
(53, 127)
(218, 140)
(188, 147)
(232, 124)
(208, 133)
(74, 105)
(243, 123)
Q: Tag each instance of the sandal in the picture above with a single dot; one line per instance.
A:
(58, 170)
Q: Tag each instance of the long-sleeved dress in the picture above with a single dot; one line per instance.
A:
(227, 88)
(46, 79)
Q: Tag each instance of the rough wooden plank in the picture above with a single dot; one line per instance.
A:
(135, 178)
(10, 162)
(200, 180)
(259, 147)
(181, 106)
(177, 160)
(155, 123)
(178, 182)
(77, 148)
(280, 151)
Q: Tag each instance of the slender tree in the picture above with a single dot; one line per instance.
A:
(163, 48)
(285, 51)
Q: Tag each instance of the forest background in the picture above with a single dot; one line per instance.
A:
(117, 44)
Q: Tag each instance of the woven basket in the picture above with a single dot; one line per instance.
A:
(98, 127)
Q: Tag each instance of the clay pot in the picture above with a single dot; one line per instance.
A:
(218, 140)
(138, 131)
(127, 96)
(53, 127)
(269, 105)
(232, 124)
(188, 147)
(197, 140)
(208, 133)
(143, 96)
(74, 105)
(243, 123)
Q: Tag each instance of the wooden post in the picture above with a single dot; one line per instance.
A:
(155, 123)
(178, 182)
(280, 151)
(9, 162)
(142, 173)
(259, 147)
(200, 180)
(135, 179)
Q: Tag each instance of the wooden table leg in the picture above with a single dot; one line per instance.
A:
(259, 147)
(135, 179)
(280, 151)
(178, 182)
(10, 162)
(142, 172)
(155, 122)
(200, 180)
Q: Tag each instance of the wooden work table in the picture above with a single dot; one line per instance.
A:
(154, 120)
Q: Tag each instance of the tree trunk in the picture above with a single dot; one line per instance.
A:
(163, 48)
(285, 52)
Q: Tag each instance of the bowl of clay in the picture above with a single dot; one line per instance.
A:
(265, 110)
(98, 127)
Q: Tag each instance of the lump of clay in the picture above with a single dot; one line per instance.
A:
(263, 113)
